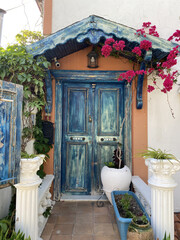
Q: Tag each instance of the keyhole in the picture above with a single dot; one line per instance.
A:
(90, 118)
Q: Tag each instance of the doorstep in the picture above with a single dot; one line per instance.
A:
(67, 197)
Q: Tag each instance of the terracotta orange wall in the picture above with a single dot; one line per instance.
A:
(139, 135)
(78, 61)
(47, 17)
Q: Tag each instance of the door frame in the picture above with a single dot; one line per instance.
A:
(73, 76)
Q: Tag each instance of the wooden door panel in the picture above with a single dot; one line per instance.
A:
(77, 111)
(77, 139)
(108, 110)
(76, 169)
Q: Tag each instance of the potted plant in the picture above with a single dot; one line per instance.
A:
(161, 165)
(130, 214)
(115, 175)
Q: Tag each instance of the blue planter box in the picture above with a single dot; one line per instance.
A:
(123, 223)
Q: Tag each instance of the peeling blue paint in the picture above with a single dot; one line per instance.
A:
(10, 131)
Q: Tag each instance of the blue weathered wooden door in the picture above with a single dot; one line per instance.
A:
(10, 131)
(92, 115)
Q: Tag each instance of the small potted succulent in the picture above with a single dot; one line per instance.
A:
(115, 175)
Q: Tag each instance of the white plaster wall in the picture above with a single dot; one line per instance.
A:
(163, 13)
(5, 200)
(163, 130)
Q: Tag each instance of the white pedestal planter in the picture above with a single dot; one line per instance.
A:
(27, 197)
(115, 179)
(162, 198)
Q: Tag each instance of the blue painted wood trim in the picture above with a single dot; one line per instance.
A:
(139, 100)
(58, 141)
(93, 28)
(48, 82)
(87, 76)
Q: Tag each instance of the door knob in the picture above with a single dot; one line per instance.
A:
(90, 118)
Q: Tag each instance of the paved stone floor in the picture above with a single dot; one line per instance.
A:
(81, 221)
(86, 221)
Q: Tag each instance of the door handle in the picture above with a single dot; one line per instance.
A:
(77, 138)
(108, 139)
(90, 118)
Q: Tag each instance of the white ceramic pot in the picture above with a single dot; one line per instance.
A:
(115, 179)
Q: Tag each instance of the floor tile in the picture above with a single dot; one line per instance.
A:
(85, 203)
(103, 229)
(84, 218)
(45, 237)
(83, 228)
(101, 210)
(68, 218)
(82, 237)
(48, 229)
(63, 229)
(52, 218)
(61, 237)
(102, 219)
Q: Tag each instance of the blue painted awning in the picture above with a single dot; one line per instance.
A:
(94, 30)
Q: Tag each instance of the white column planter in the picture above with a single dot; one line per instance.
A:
(115, 179)
(27, 197)
(162, 199)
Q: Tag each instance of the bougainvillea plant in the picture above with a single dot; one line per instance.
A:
(163, 69)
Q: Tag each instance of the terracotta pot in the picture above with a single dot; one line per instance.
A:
(115, 179)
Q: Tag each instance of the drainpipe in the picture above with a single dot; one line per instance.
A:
(2, 12)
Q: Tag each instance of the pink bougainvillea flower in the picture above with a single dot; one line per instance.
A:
(150, 88)
(153, 32)
(168, 83)
(127, 76)
(140, 32)
(140, 72)
(109, 41)
(146, 24)
(164, 90)
(150, 70)
(145, 44)
(171, 58)
(175, 36)
(119, 45)
(137, 50)
(121, 77)
(106, 50)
